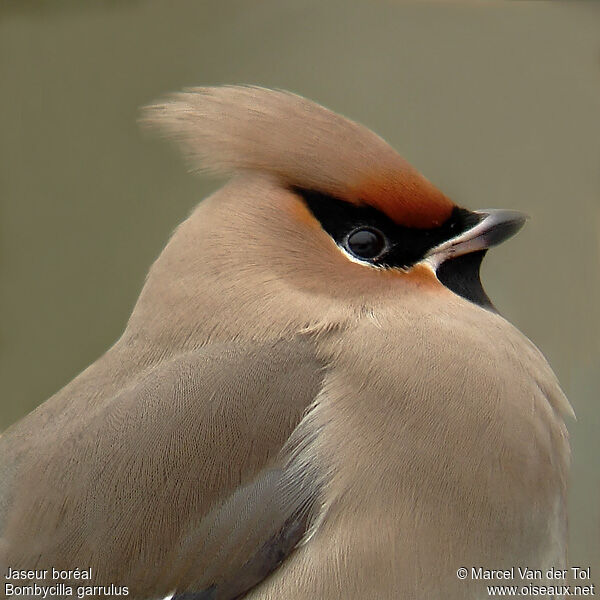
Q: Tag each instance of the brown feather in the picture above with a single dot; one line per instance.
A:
(262, 373)
(240, 129)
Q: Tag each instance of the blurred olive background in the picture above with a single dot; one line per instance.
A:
(498, 103)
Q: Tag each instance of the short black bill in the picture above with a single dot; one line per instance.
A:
(494, 227)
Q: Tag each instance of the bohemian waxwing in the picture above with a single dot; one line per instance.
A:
(313, 399)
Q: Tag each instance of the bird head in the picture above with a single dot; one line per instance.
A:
(320, 211)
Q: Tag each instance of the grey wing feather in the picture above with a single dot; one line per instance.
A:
(254, 542)
(181, 480)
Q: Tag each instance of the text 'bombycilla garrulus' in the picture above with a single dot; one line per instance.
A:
(313, 398)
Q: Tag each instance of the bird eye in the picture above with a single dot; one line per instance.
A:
(366, 243)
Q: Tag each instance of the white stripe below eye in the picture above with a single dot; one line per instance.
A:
(356, 260)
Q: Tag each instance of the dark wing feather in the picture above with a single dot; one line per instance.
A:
(177, 481)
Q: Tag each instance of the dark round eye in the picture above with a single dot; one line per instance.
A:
(366, 243)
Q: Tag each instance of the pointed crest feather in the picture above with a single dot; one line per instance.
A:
(242, 128)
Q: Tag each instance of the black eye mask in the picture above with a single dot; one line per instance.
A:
(372, 237)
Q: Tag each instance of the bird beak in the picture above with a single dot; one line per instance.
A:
(494, 227)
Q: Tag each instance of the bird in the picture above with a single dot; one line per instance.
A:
(314, 397)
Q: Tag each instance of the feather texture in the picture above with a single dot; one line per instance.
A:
(239, 129)
(271, 400)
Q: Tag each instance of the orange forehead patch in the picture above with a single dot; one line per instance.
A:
(405, 197)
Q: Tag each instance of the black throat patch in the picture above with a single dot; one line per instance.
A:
(404, 246)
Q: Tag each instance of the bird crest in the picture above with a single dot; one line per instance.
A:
(233, 129)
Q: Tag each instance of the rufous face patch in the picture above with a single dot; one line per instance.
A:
(406, 197)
